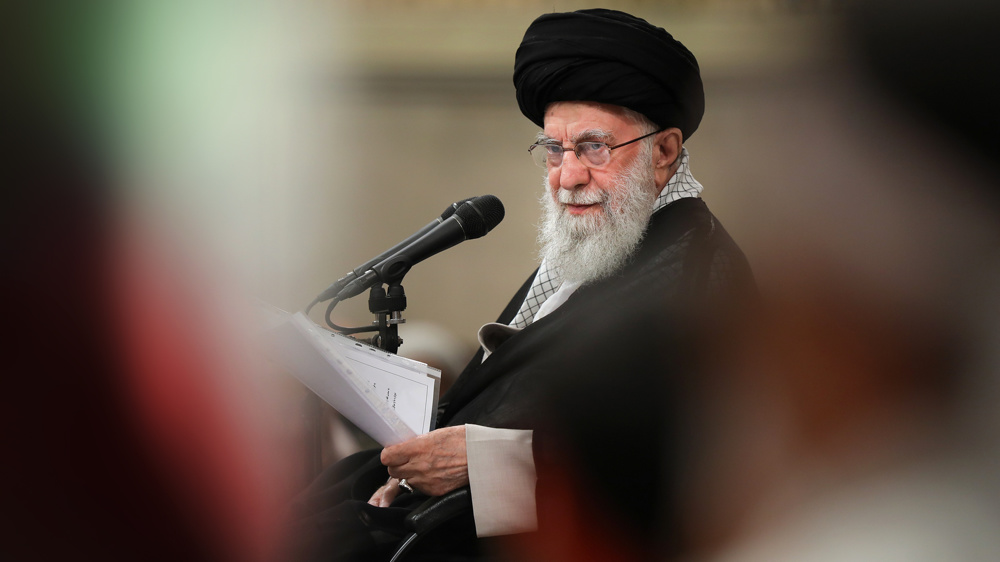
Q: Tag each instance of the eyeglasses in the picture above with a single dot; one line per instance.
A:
(590, 154)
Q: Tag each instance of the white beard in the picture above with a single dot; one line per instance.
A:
(594, 246)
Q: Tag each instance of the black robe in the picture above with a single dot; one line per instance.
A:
(610, 334)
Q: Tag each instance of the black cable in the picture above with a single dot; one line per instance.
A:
(341, 329)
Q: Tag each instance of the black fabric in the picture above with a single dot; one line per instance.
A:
(609, 57)
(333, 521)
(682, 242)
(684, 246)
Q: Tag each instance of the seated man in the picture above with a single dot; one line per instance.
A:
(623, 230)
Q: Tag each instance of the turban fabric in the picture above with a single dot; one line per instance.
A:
(609, 57)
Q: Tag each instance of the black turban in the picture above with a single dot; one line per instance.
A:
(609, 57)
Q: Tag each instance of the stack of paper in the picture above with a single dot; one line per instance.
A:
(391, 398)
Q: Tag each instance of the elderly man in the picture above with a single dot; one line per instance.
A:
(623, 228)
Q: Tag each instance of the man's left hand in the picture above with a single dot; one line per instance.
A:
(434, 463)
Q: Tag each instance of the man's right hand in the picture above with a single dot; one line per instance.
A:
(386, 493)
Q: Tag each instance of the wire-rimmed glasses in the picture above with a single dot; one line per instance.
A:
(593, 154)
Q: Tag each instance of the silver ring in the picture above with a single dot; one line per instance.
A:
(405, 486)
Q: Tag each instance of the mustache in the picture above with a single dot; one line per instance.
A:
(570, 197)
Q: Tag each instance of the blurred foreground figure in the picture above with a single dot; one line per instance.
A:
(126, 438)
(624, 231)
(855, 416)
(128, 433)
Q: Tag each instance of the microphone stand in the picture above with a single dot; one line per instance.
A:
(388, 307)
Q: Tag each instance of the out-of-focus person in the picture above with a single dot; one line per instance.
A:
(873, 422)
(136, 424)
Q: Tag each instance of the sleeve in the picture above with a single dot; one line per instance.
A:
(501, 479)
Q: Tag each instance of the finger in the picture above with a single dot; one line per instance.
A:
(376, 498)
(389, 494)
(401, 471)
(395, 455)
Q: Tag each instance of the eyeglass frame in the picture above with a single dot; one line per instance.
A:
(576, 149)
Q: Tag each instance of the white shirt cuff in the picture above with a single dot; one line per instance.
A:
(501, 479)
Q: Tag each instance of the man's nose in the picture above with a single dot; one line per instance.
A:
(573, 174)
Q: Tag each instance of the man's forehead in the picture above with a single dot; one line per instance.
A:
(567, 120)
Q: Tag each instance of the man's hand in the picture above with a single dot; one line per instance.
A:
(434, 463)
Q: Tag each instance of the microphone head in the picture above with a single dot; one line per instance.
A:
(479, 215)
(450, 210)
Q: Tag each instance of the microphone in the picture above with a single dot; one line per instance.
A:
(473, 219)
(339, 284)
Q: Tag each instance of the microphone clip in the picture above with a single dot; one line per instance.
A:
(388, 307)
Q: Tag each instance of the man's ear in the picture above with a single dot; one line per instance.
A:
(666, 155)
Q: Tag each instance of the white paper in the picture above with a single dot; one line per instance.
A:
(391, 398)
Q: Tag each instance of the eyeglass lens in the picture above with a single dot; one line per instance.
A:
(591, 154)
